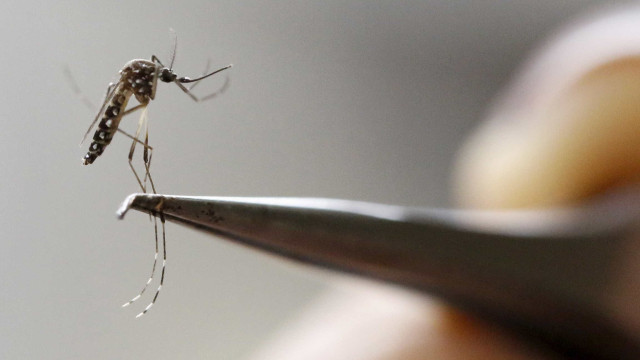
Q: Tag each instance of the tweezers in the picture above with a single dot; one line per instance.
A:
(562, 278)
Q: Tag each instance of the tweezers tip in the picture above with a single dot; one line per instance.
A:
(149, 203)
(126, 205)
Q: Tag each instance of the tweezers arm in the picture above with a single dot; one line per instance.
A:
(352, 236)
(546, 284)
(412, 246)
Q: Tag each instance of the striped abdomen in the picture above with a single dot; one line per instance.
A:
(108, 124)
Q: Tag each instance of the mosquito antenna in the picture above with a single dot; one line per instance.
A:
(186, 80)
(175, 47)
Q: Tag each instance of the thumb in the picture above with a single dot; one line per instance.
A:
(567, 128)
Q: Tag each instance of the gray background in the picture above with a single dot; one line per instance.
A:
(361, 99)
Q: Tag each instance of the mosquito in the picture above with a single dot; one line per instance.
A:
(139, 78)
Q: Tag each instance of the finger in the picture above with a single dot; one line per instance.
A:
(568, 127)
(358, 320)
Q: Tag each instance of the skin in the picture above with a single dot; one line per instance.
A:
(566, 129)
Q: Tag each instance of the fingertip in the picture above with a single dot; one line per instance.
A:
(557, 137)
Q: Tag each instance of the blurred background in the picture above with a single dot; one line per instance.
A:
(359, 100)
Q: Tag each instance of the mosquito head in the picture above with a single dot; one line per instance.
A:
(167, 75)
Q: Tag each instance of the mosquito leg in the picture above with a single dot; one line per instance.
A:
(207, 97)
(133, 138)
(135, 108)
(127, 112)
(147, 149)
(146, 157)
(155, 59)
(153, 270)
(141, 123)
(164, 263)
(148, 174)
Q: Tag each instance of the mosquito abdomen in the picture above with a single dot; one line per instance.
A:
(108, 124)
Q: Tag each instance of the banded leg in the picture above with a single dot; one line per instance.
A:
(164, 263)
(147, 150)
(135, 108)
(127, 112)
(147, 156)
(141, 123)
(153, 269)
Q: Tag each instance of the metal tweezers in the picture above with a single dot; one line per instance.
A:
(553, 276)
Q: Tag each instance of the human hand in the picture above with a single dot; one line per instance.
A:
(566, 129)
